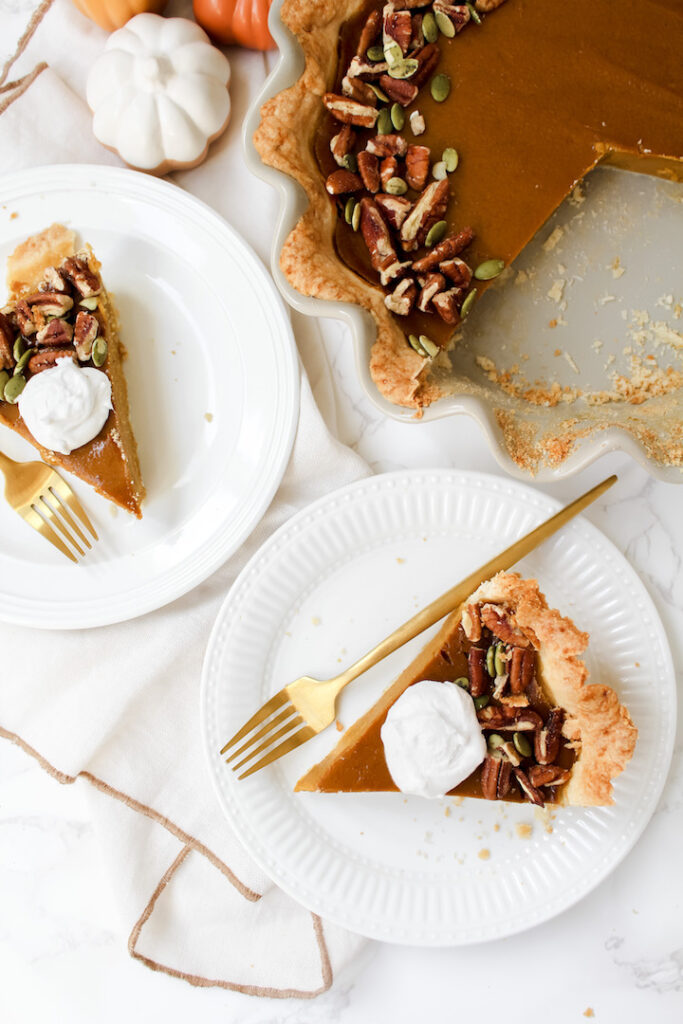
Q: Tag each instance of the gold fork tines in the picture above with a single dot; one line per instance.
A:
(310, 703)
(47, 503)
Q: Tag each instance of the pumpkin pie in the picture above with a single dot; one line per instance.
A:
(551, 736)
(434, 139)
(58, 309)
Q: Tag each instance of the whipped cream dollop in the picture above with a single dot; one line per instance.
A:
(432, 739)
(66, 406)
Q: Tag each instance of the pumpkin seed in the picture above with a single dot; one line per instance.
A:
(355, 219)
(462, 681)
(379, 93)
(446, 26)
(474, 14)
(414, 343)
(499, 661)
(349, 207)
(91, 303)
(393, 54)
(490, 666)
(396, 187)
(375, 53)
(13, 388)
(21, 363)
(429, 28)
(439, 171)
(430, 347)
(404, 68)
(19, 347)
(99, 352)
(350, 163)
(4, 377)
(481, 702)
(522, 744)
(440, 87)
(470, 299)
(494, 741)
(436, 233)
(398, 117)
(451, 159)
(384, 125)
(489, 269)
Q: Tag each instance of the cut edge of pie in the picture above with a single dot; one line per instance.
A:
(597, 725)
(116, 478)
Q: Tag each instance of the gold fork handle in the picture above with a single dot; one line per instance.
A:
(449, 601)
(6, 464)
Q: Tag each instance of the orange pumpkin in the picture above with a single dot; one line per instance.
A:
(244, 22)
(111, 14)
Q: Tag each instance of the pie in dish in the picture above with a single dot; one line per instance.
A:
(551, 737)
(60, 320)
(433, 140)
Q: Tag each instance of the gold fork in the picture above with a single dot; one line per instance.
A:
(46, 502)
(310, 703)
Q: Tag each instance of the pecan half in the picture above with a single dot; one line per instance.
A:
(368, 168)
(77, 271)
(548, 775)
(47, 357)
(378, 241)
(341, 182)
(24, 318)
(417, 123)
(387, 145)
(547, 741)
(359, 92)
(506, 717)
(447, 304)
(400, 90)
(53, 281)
(342, 143)
(394, 209)
(431, 284)
(471, 622)
(479, 677)
(528, 789)
(458, 271)
(427, 59)
(429, 208)
(510, 753)
(402, 300)
(417, 39)
(417, 166)
(365, 69)
(501, 624)
(409, 5)
(451, 246)
(85, 332)
(397, 25)
(49, 304)
(522, 663)
(349, 111)
(56, 332)
(369, 31)
(6, 343)
(457, 14)
(388, 169)
(495, 778)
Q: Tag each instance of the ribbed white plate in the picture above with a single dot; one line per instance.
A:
(213, 382)
(329, 584)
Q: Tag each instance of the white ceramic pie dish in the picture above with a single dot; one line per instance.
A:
(600, 300)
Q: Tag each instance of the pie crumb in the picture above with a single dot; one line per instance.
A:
(208, 416)
(484, 854)
(496, 827)
(340, 727)
(447, 812)
(315, 621)
(552, 239)
(589, 1012)
(113, 511)
(616, 268)
(13, 216)
(457, 800)
(400, 561)
(524, 829)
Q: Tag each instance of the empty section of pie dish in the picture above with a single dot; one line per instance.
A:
(575, 351)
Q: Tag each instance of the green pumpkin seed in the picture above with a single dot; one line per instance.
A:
(430, 30)
(436, 233)
(490, 665)
(481, 702)
(4, 377)
(19, 347)
(404, 69)
(413, 341)
(396, 187)
(91, 303)
(349, 207)
(522, 745)
(462, 681)
(13, 388)
(439, 171)
(451, 159)
(350, 163)
(495, 741)
(99, 352)
(393, 54)
(474, 13)
(355, 219)
(499, 661)
(440, 87)
(21, 363)
(468, 303)
(398, 117)
(489, 269)
(430, 347)
(375, 53)
(384, 125)
(379, 93)
(446, 26)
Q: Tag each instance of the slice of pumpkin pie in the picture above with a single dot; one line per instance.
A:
(496, 706)
(62, 385)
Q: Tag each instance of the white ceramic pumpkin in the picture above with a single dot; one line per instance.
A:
(159, 93)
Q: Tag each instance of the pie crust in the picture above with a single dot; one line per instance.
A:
(596, 724)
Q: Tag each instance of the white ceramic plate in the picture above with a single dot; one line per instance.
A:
(213, 384)
(325, 588)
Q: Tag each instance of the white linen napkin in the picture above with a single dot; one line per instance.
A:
(118, 710)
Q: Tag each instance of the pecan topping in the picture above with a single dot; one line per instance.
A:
(342, 143)
(349, 111)
(416, 38)
(430, 286)
(547, 741)
(402, 299)
(56, 332)
(488, 5)
(506, 717)
(361, 68)
(427, 58)
(359, 92)
(451, 246)
(47, 357)
(368, 168)
(429, 208)
(471, 622)
(495, 777)
(53, 281)
(521, 669)
(458, 271)
(378, 240)
(85, 332)
(394, 209)
(387, 145)
(548, 775)
(6, 343)
(409, 5)
(388, 169)
(370, 30)
(417, 166)
(529, 790)
(24, 318)
(417, 123)
(479, 679)
(502, 626)
(400, 90)
(48, 304)
(447, 304)
(77, 271)
(457, 14)
(341, 182)
(398, 25)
